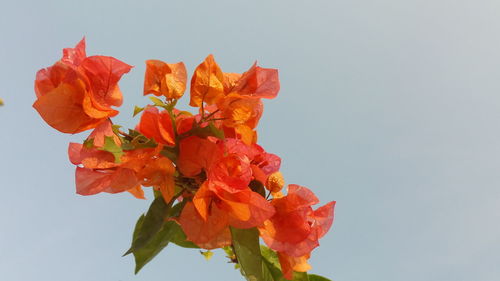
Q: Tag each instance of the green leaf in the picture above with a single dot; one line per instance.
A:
(158, 242)
(112, 147)
(247, 250)
(137, 110)
(207, 131)
(170, 153)
(179, 239)
(157, 101)
(271, 264)
(151, 225)
(314, 277)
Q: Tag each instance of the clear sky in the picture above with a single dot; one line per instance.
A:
(391, 108)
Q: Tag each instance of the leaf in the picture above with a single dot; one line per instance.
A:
(155, 245)
(151, 225)
(207, 131)
(112, 147)
(208, 254)
(314, 277)
(179, 239)
(137, 110)
(147, 241)
(1, 102)
(271, 264)
(247, 250)
(157, 101)
(137, 141)
(170, 153)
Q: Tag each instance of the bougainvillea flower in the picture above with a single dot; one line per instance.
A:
(90, 157)
(165, 79)
(232, 169)
(78, 92)
(196, 154)
(217, 206)
(103, 74)
(158, 173)
(93, 181)
(262, 163)
(257, 82)
(208, 233)
(98, 172)
(295, 228)
(230, 80)
(207, 84)
(184, 121)
(157, 125)
(240, 110)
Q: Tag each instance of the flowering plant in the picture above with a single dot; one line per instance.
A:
(214, 186)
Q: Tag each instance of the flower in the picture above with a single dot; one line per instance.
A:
(97, 171)
(164, 79)
(77, 93)
(157, 125)
(295, 229)
(234, 98)
(224, 198)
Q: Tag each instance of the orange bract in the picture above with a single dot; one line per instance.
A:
(157, 125)
(295, 228)
(99, 172)
(258, 82)
(164, 79)
(207, 84)
(77, 92)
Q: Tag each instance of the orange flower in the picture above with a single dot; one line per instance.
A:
(217, 206)
(236, 96)
(157, 125)
(207, 84)
(263, 164)
(98, 172)
(257, 82)
(228, 169)
(196, 155)
(78, 92)
(164, 79)
(295, 228)
(209, 233)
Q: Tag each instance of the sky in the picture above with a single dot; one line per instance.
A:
(389, 107)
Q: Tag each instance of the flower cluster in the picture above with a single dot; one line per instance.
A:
(210, 177)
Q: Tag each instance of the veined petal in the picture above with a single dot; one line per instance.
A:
(207, 84)
(165, 79)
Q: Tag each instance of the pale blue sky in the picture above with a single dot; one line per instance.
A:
(392, 108)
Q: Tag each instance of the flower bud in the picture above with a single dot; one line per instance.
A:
(275, 182)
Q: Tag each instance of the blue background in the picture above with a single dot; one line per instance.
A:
(391, 108)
